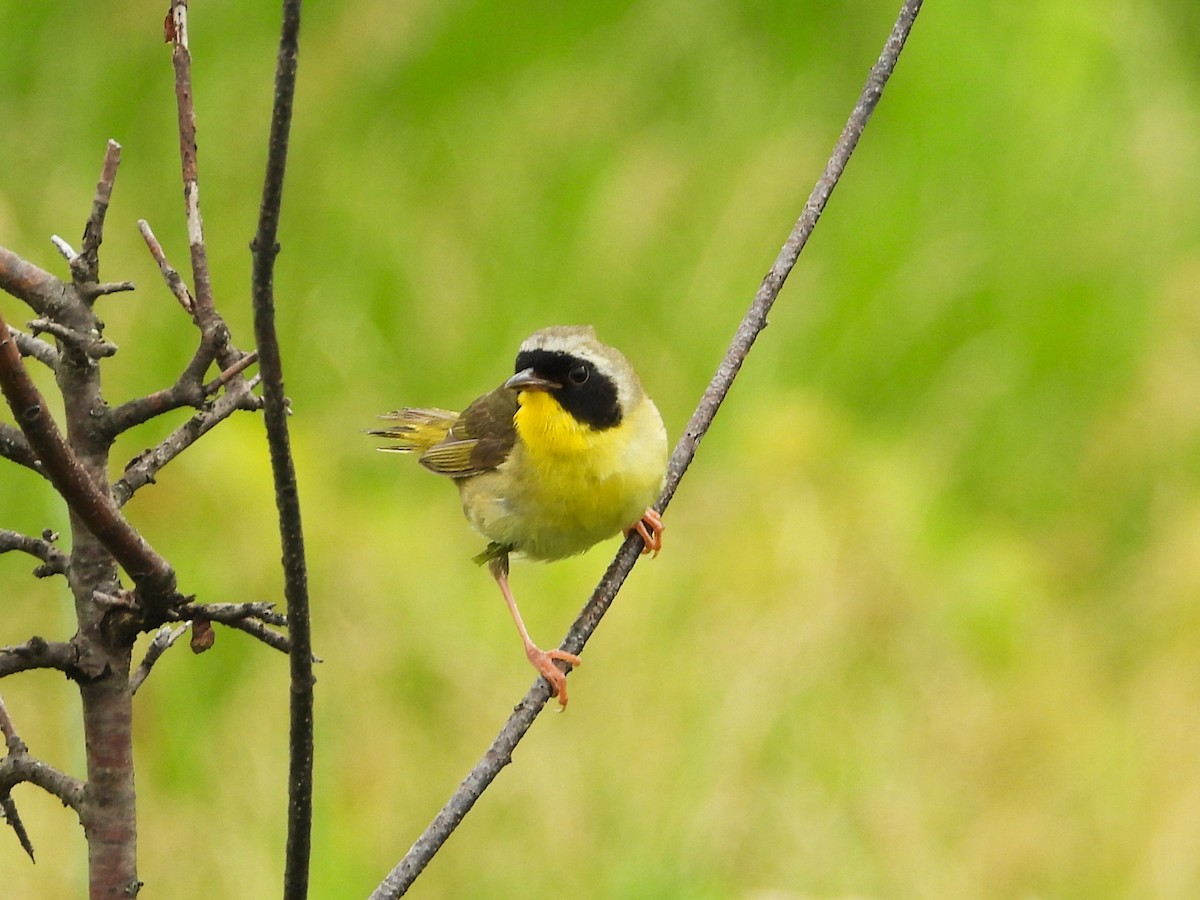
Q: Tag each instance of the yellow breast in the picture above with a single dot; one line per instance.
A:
(567, 486)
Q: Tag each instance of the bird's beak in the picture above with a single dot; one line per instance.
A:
(529, 380)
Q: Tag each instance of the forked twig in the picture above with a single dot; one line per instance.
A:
(499, 753)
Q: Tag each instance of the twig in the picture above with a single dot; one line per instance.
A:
(500, 753)
(8, 808)
(150, 572)
(42, 292)
(18, 766)
(54, 561)
(15, 448)
(141, 470)
(159, 644)
(264, 248)
(35, 347)
(170, 275)
(88, 342)
(227, 613)
(85, 267)
(39, 653)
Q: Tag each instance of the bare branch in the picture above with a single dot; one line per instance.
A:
(15, 448)
(54, 561)
(170, 275)
(18, 766)
(500, 753)
(90, 290)
(227, 613)
(264, 248)
(41, 291)
(142, 469)
(32, 346)
(181, 57)
(85, 267)
(90, 343)
(151, 573)
(66, 250)
(162, 641)
(38, 653)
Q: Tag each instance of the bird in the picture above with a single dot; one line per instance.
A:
(567, 452)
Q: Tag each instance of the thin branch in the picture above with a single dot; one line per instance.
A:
(42, 292)
(170, 275)
(227, 613)
(500, 753)
(88, 342)
(85, 267)
(261, 632)
(264, 248)
(142, 469)
(35, 347)
(18, 766)
(54, 561)
(159, 644)
(15, 448)
(151, 573)
(8, 807)
(39, 653)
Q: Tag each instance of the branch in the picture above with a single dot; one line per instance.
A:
(500, 753)
(151, 573)
(38, 653)
(161, 642)
(18, 766)
(85, 267)
(54, 561)
(38, 349)
(141, 470)
(264, 248)
(42, 292)
(15, 448)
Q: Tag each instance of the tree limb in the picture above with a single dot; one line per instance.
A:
(38, 349)
(142, 469)
(85, 268)
(264, 248)
(42, 292)
(54, 561)
(151, 573)
(18, 766)
(500, 753)
(38, 653)
(15, 448)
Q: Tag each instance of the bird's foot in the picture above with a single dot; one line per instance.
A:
(650, 526)
(543, 661)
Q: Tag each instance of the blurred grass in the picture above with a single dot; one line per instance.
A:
(927, 621)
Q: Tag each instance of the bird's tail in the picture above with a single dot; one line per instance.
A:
(415, 430)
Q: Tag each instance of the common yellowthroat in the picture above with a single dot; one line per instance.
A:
(567, 452)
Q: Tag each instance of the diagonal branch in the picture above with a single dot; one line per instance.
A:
(15, 448)
(500, 753)
(19, 766)
(264, 248)
(42, 292)
(142, 469)
(54, 561)
(35, 347)
(151, 573)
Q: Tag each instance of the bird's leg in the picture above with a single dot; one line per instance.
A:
(650, 526)
(542, 660)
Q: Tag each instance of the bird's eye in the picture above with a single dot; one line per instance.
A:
(578, 374)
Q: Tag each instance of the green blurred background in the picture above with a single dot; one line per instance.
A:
(927, 621)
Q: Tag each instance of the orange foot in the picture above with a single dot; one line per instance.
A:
(650, 526)
(543, 661)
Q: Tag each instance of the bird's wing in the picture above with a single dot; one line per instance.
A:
(480, 439)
